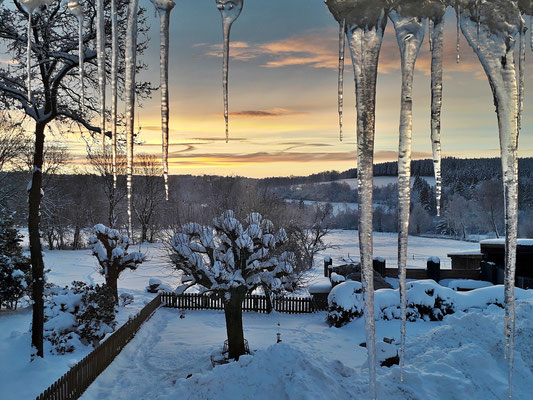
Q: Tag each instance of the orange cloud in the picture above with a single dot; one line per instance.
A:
(319, 49)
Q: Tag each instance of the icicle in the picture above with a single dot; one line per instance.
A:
(77, 9)
(28, 61)
(496, 46)
(230, 11)
(531, 31)
(131, 62)
(478, 18)
(409, 34)
(458, 15)
(436, 101)
(430, 34)
(100, 50)
(521, 67)
(114, 92)
(164, 7)
(342, 45)
(365, 45)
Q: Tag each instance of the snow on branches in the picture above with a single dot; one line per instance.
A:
(231, 255)
(111, 250)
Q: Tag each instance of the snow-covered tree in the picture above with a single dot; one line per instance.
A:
(52, 93)
(230, 259)
(14, 267)
(111, 250)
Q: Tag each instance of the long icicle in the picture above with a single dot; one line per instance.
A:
(131, 62)
(230, 11)
(495, 52)
(365, 45)
(77, 9)
(340, 93)
(164, 8)
(458, 16)
(114, 91)
(436, 101)
(409, 34)
(521, 68)
(28, 56)
(100, 50)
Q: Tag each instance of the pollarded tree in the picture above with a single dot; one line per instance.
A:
(231, 259)
(55, 94)
(111, 250)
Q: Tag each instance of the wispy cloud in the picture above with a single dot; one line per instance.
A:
(318, 49)
(274, 112)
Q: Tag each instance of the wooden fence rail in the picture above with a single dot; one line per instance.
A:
(256, 303)
(78, 378)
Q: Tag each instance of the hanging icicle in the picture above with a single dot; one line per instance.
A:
(342, 45)
(436, 32)
(430, 34)
(77, 9)
(230, 11)
(365, 36)
(100, 50)
(409, 34)
(164, 7)
(521, 68)
(531, 32)
(114, 92)
(458, 16)
(495, 51)
(131, 62)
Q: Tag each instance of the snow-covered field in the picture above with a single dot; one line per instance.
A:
(169, 348)
(459, 358)
(380, 181)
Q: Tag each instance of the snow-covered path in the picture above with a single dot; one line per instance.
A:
(459, 358)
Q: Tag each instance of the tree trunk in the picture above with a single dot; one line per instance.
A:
(111, 281)
(233, 313)
(144, 237)
(76, 239)
(37, 265)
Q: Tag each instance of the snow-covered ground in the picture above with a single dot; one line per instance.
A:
(27, 380)
(459, 358)
(385, 246)
(380, 181)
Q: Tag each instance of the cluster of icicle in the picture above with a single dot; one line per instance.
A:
(490, 27)
(230, 11)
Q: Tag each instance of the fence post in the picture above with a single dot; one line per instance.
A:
(379, 266)
(433, 268)
(328, 262)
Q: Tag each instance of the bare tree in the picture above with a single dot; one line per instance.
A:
(102, 167)
(148, 193)
(12, 147)
(56, 97)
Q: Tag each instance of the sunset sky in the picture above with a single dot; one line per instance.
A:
(283, 94)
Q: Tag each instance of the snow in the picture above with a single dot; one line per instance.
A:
(27, 380)
(458, 358)
(519, 242)
(207, 331)
(466, 284)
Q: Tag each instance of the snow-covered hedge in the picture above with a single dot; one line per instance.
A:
(78, 315)
(426, 300)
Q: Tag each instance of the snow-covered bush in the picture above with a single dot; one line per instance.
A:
(231, 259)
(126, 299)
(345, 303)
(80, 314)
(15, 270)
(111, 250)
(155, 286)
(426, 300)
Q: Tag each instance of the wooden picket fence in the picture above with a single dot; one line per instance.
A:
(78, 378)
(256, 303)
